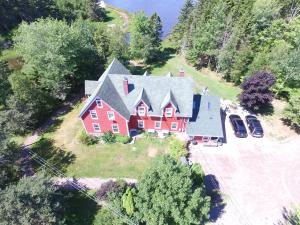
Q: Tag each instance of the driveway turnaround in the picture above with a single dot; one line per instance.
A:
(257, 177)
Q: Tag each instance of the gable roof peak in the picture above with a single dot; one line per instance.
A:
(169, 98)
(142, 97)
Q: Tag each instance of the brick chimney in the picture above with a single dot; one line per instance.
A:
(125, 86)
(181, 72)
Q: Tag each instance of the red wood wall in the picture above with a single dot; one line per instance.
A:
(166, 121)
(105, 124)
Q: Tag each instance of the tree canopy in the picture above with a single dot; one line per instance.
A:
(33, 200)
(167, 194)
(145, 36)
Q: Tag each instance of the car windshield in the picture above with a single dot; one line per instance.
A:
(257, 125)
(240, 124)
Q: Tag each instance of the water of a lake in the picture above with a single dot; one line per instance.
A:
(168, 10)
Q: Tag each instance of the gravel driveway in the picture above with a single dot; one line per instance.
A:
(258, 177)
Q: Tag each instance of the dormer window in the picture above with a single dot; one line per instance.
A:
(141, 111)
(168, 112)
(99, 103)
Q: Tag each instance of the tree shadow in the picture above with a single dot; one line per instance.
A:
(78, 208)
(290, 124)
(54, 156)
(217, 202)
(289, 217)
(160, 61)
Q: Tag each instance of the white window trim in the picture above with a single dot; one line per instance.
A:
(113, 115)
(172, 126)
(112, 128)
(99, 105)
(168, 111)
(94, 111)
(155, 127)
(138, 110)
(141, 121)
(97, 124)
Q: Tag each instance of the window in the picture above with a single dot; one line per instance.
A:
(174, 126)
(93, 114)
(96, 127)
(168, 112)
(99, 103)
(157, 124)
(141, 111)
(111, 115)
(115, 128)
(140, 124)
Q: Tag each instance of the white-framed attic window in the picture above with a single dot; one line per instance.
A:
(141, 110)
(168, 112)
(99, 103)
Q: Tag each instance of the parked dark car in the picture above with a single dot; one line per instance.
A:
(254, 126)
(238, 126)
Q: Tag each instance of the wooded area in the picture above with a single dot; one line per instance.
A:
(240, 38)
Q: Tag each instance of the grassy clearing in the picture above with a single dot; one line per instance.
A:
(204, 78)
(101, 160)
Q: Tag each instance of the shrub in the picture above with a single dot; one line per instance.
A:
(256, 91)
(109, 137)
(177, 149)
(86, 139)
(117, 187)
(292, 111)
(122, 139)
(197, 174)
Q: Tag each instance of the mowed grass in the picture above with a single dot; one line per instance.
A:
(101, 160)
(202, 79)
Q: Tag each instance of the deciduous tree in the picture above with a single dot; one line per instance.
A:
(257, 91)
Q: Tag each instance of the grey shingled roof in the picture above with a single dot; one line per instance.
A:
(90, 86)
(143, 97)
(206, 119)
(157, 88)
(153, 90)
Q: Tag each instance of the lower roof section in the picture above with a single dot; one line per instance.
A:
(206, 119)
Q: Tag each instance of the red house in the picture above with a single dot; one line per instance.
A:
(124, 103)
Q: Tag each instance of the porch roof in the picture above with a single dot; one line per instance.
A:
(206, 119)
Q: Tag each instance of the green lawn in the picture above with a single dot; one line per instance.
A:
(215, 84)
(102, 160)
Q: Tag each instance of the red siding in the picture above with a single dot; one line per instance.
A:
(166, 121)
(198, 139)
(105, 124)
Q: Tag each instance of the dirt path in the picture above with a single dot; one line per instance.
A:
(30, 140)
(89, 183)
(124, 16)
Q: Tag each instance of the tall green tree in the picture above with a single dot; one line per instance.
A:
(33, 200)
(145, 37)
(5, 88)
(167, 194)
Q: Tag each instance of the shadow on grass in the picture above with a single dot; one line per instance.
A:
(217, 203)
(290, 124)
(53, 155)
(164, 56)
(78, 208)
